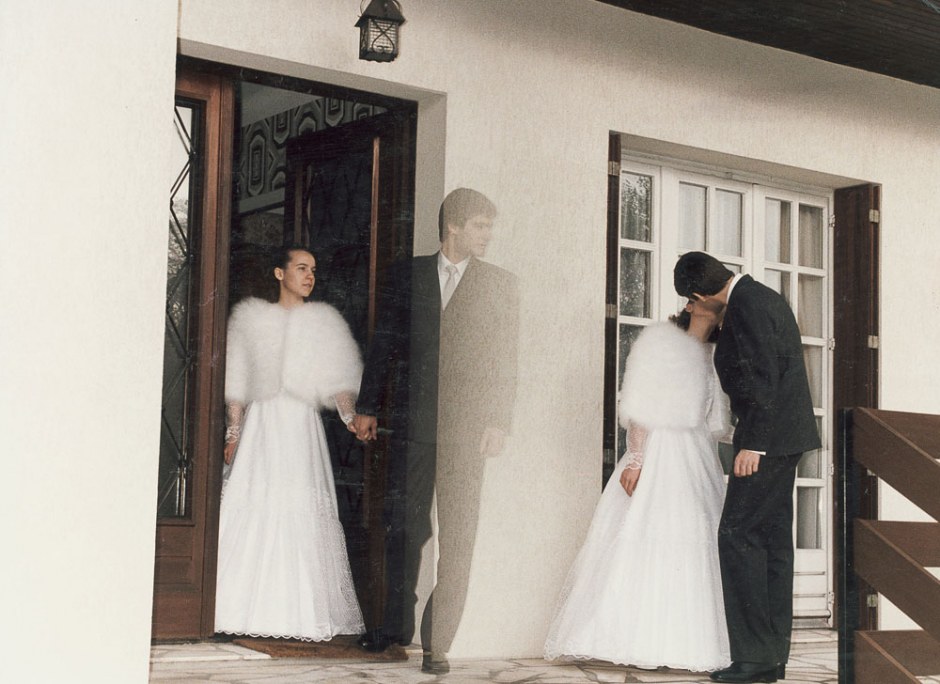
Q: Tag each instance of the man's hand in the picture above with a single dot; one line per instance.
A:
(229, 452)
(365, 427)
(493, 441)
(629, 479)
(746, 463)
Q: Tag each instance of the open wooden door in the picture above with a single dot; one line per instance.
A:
(349, 198)
(192, 411)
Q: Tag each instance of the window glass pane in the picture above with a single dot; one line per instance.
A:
(636, 207)
(628, 334)
(808, 522)
(725, 236)
(813, 357)
(811, 236)
(691, 217)
(777, 231)
(810, 465)
(634, 283)
(810, 311)
(779, 281)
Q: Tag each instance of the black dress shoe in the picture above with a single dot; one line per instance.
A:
(746, 673)
(430, 665)
(374, 641)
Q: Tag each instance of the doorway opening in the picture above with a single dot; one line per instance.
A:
(268, 161)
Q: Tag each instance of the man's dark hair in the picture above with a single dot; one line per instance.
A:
(697, 272)
(460, 206)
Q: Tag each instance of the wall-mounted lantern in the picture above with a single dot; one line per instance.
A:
(378, 31)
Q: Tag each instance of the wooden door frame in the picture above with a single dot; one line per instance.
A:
(214, 84)
(193, 540)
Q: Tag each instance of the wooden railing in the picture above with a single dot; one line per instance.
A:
(889, 557)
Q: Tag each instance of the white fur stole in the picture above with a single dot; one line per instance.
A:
(307, 350)
(667, 381)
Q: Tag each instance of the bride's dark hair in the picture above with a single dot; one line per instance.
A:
(683, 319)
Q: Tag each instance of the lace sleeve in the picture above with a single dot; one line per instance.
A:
(636, 441)
(345, 405)
(234, 417)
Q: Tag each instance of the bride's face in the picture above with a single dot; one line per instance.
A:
(704, 317)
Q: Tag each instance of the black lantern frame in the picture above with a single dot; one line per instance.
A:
(379, 36)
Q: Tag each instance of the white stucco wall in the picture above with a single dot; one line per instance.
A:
(516, 99)
(531, 90)
(87, 90)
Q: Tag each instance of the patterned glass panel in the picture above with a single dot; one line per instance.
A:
(636, 201)
(692, 212)
(725, 236)
(808, 519)
(634, 283)
(178, 350)
(777, 231)
(810, 316)
(811, 236)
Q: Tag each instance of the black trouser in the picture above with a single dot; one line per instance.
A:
(409, 492)
(755, 546)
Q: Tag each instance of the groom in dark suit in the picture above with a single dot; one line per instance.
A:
(759, 359)
(447, 332)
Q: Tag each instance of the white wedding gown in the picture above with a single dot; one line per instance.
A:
(283, 568)
(645, 589)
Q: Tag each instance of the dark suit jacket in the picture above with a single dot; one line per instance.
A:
(471, 353)
(759, 359)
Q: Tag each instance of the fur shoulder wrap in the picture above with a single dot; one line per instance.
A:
(308, 351)
(667, 381)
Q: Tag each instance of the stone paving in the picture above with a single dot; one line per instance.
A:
(813, 660)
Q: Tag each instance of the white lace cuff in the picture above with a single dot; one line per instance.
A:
(636, 441)
(345, 406)
(234, 417)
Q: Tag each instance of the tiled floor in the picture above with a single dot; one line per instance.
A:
(813, 659)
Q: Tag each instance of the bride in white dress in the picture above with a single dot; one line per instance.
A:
(645, 589)
(283, 570)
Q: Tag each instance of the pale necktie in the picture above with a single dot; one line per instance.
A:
(449, 285)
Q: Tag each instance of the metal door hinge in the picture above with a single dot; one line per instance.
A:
(873, 342)
(831, 598)
(613, 168)
(874, 216)
(831, 344)
(872, 600)
(611, 311)
(832, 469)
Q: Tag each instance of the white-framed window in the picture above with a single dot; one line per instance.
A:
(781, 237)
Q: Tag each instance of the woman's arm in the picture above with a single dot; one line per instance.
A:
(234, 417)
(636, 442)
